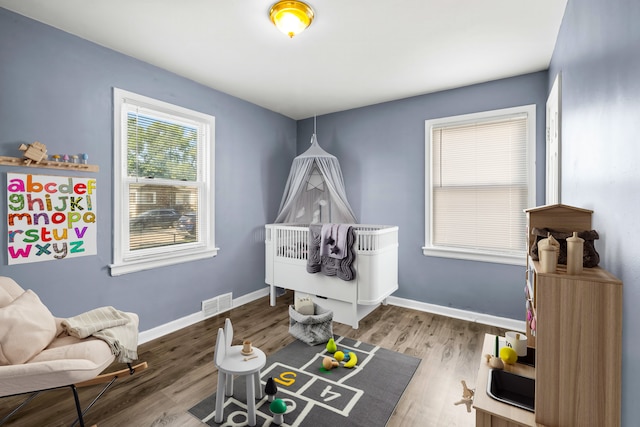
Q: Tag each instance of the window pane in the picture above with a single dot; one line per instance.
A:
(170, 220)
(482, 154)
(159, 148)
(486, 218)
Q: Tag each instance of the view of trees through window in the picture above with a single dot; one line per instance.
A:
(159, 149)
(162, 162)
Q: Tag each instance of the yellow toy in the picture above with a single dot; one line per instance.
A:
(339, 356)
(508, 355)
(353, 360)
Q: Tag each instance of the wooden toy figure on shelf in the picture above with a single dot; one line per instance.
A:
(35, 152)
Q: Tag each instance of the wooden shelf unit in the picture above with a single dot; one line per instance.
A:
(48, 164)
(578, 341)
(555, 217)
(578, 337)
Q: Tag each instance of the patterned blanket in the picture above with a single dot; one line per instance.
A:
(316, 263)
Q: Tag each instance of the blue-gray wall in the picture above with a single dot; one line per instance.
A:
(598, 55)
(57, 89)
(381, 149)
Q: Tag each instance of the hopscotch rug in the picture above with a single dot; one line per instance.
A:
(363, 396)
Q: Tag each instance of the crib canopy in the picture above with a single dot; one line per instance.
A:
(315, 190)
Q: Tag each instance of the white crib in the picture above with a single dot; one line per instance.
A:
(376, 267)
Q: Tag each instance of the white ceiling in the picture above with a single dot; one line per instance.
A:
(355, 53)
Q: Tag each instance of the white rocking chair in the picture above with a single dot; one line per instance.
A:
(36, 357)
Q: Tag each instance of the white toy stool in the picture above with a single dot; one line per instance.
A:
(231, 361)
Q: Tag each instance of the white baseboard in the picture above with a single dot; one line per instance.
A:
(183, 322)
(469, 316)
(245, 299)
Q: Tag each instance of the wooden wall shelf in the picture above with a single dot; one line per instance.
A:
(17, 161)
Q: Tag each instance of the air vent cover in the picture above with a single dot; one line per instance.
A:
(217, 305)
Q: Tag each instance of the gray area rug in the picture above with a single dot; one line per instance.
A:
(363, 396)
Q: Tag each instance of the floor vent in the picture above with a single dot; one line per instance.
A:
(217, 305)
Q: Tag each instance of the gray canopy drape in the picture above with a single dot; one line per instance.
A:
(315, 190)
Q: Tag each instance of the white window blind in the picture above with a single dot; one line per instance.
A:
(164, 159)
(479, 182)
(163, 184)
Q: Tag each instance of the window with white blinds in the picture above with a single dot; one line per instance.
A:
(480, 177)
(163, 184)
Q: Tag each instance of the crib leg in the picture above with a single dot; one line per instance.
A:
(272, 295)
(354, 314)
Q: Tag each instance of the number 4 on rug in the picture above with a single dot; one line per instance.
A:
(333, 394)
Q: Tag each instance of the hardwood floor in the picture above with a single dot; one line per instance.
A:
(181, 370)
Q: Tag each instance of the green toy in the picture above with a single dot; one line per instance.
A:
(278, 408)
(331, 346)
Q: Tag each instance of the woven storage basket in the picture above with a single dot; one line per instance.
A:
(312, 329)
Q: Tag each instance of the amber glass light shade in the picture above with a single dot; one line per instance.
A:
(291, 17)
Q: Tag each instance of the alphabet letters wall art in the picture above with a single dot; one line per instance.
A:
(50, 217)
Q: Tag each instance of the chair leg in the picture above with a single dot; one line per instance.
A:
(220, 397)
(258, 386)
(251, 402)
(93, 402)
(109, 378)
(229, 385)
(76, 399)
(78, 407)
(10, 414)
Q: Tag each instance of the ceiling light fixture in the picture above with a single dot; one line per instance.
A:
(291, 17)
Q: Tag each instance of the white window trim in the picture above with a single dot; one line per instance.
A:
(478, 255)
(553, 137)
(123, 264)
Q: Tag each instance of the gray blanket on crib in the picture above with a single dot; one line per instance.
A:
(343, 268)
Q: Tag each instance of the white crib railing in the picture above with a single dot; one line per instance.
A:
(291, 240)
